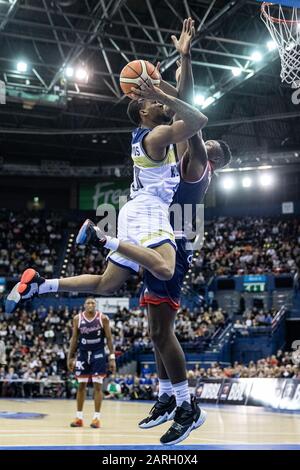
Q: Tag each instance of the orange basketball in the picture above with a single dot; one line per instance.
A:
(135, 73)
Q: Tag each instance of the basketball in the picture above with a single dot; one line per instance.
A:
(135, 73)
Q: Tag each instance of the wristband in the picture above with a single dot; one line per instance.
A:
(112, 356)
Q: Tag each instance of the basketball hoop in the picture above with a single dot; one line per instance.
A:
(283, 23)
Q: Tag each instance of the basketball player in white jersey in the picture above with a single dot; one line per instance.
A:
(145, 236)
(90, 328)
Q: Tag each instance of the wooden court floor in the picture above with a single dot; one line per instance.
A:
(225, 426)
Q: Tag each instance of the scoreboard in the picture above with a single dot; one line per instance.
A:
(254, 283)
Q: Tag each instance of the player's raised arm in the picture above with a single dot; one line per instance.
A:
(165, 86)
(193, 152)
(73, 344)
(184, 73)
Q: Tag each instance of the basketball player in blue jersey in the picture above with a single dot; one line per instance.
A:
(198, 161)
(90, 328)
(145, 236)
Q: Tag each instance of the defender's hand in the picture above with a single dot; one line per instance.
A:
(71, 364)
(112, 365)
(183, 44)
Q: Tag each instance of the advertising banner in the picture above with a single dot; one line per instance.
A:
(92, 195)
(281, 394)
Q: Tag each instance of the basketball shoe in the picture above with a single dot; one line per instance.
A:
(95, 423)
(77, 423)
(90, 234)
(162, 411)
(27, 288)
(187, 418)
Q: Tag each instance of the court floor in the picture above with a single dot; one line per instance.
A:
(46, 424)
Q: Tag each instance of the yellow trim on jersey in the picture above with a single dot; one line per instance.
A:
(159, 233)
(145, 162)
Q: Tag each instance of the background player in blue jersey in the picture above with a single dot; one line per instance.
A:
(90, 328)
(198, 159)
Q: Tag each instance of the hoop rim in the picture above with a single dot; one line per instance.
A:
(272, 18)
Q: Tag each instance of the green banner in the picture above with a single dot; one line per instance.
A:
(92, 195)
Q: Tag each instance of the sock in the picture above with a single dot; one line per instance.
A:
(165, 387)
(112, 243)
(96, 415)
(50, 285)
(79, 414)
(182, 392)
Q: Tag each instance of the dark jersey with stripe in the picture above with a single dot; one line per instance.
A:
(155, 291)
(91, 333)
(192, 195)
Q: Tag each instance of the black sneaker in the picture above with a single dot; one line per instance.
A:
(161, 412)
(187, 418)
(90, 234)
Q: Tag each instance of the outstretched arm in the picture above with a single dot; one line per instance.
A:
(193, 151)
(184, 74)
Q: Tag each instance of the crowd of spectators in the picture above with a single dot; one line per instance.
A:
(279, 365)
(130, 329)
(35, 349)
(29, 240)
(254, 317)
(232, 246)
(248, 245)
(36, 343)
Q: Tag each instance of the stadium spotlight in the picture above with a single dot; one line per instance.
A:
(199, 100)
(228, 183)
(69, 72)
(246, 182)
(22, 66)
(236, 71)
(81, 74)
(271, 45)
(266, 180)
(256, 56)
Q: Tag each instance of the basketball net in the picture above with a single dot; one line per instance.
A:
(283, 24)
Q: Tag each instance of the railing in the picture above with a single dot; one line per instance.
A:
(277, 319)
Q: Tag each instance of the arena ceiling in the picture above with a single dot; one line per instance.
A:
(50, 117)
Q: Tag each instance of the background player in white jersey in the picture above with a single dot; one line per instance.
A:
(162, 298)
(145, 236)
(90, 328)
